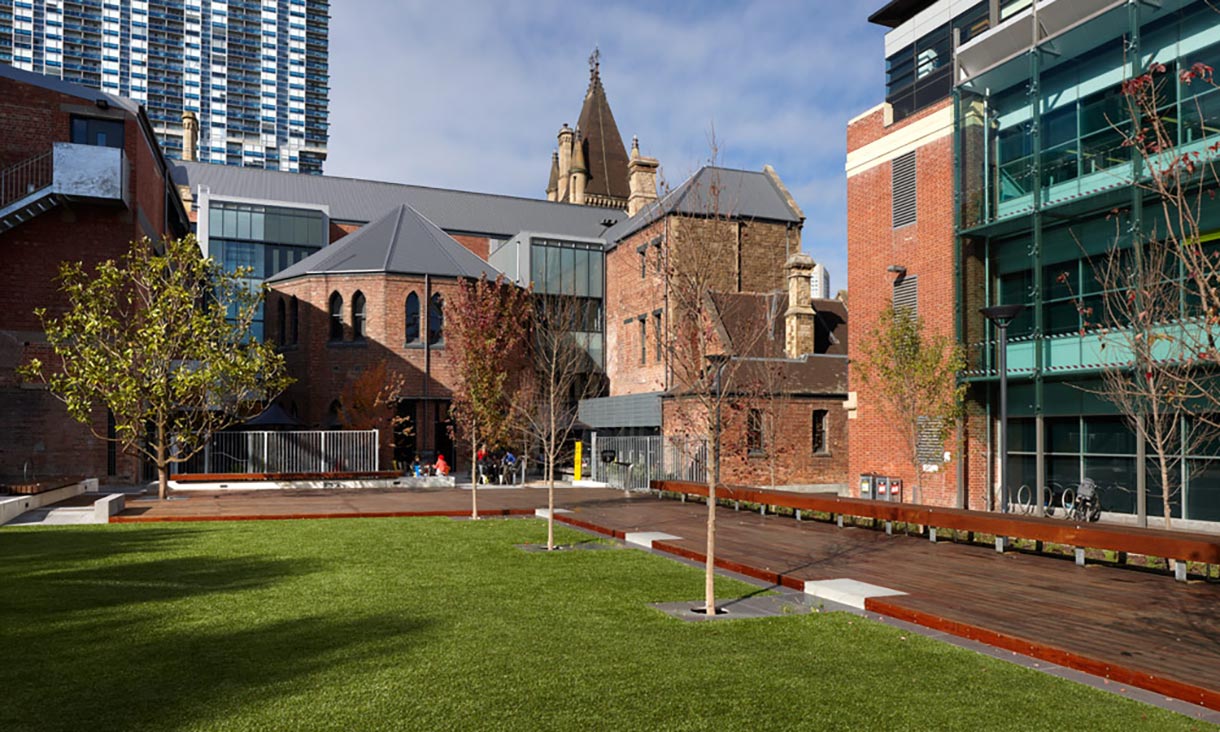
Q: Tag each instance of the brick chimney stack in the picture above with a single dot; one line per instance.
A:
(799, 318)
(190, 136)
(641, 179)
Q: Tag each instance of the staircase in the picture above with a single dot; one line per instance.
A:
(26, 190)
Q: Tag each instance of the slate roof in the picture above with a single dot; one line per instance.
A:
(746, 318)
(400, 242)
(360, 201)
(605, 155)
(742, 194)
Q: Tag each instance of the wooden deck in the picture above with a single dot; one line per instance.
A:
(1138, 628)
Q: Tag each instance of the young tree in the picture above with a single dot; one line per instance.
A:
(487, 323)
(763, 386)
(160, 339)
(703, 375)
(914, 378)
(370, 401)
(561, 374)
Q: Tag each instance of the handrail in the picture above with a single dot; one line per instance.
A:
(1167, 544)
(21, 179)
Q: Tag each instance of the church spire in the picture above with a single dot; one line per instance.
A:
(552, 186)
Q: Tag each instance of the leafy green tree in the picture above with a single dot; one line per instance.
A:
(913, 376)
(160, 339)
(487, 322)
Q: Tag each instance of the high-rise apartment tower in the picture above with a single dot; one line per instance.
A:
(255, 74)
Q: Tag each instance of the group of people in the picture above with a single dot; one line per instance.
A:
(498, 467)
(420, 469)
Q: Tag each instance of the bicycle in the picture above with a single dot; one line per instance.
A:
(1083, 503)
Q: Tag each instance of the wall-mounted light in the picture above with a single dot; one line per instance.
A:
(897, 269)
(102, 103)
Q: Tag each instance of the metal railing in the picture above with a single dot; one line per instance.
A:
(21, 179)
(311, 451)
(639, 460)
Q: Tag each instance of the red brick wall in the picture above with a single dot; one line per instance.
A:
(34, 427)
(480, 245)
(926, 249)
(788, 441)
(323, 368)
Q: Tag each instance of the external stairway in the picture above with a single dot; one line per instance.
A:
(26, 190)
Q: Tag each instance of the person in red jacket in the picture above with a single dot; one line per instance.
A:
(442, 467)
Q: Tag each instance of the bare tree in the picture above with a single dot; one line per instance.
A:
(698, 245)
(562, 373)
(763, 387)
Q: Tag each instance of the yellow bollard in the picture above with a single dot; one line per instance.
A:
(580, 448)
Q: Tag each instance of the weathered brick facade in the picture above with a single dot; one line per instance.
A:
(36, 434)
(323, 367)
(926, 249)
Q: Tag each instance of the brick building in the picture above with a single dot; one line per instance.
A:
(81, 176)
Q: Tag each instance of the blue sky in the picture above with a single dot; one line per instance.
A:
(470, 95)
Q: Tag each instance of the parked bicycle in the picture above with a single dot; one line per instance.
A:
(1085, 504)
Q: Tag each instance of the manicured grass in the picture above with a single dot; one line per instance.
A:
(433, 624)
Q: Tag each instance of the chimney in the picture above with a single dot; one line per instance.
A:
(565, 161)
(641, 179)
(799, 318)
(190, 136)
(580, 174)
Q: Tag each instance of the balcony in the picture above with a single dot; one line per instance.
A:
(91, 172)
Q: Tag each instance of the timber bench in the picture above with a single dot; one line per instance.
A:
(1181, 546)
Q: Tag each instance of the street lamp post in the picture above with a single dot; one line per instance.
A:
(1001, 316)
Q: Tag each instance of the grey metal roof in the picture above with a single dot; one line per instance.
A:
(66, 87)
(401, 242)
(743, 194)
(628, 410)
(352, 199)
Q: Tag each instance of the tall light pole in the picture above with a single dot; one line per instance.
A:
(1001, 316)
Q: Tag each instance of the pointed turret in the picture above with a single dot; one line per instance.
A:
(642, 173)
(565, 162)
(605, 154)
(580, 173)
(552, 186)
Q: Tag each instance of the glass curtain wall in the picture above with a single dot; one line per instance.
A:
(574, 269)
(265, 239)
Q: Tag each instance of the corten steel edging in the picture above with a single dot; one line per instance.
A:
(247, 477)
(489, 513)
(1181, 545)
(766, 575)
(1162, 685)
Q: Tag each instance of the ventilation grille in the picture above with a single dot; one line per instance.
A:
(902, 174)
(906, 295)
(929, 448)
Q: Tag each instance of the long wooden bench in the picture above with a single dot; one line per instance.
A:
(1182, 546)
(245, 477)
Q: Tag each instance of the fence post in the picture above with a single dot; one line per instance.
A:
(594, 458)
(266, 461)
(322, 452)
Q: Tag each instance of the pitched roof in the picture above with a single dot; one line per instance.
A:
(355, 200)
(66, 87)
(753, 324)
(605, 155)
(400, 242)
(742, 194)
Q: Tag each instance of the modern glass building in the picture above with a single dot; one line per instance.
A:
(1046, 188)
(255, 73)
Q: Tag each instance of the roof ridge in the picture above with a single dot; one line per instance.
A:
(244, 169)
(389, 252)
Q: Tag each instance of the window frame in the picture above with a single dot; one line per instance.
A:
(359, 316)
(820, 432)
(335, 317)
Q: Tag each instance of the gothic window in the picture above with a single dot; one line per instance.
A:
(436, 320)
(358, 316)
(412, 319)
(336, 316)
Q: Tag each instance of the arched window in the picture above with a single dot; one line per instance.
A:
(358, 316)
(436, 320)
(294, 313)
(412, 321)
(281, 322)
(336, 316)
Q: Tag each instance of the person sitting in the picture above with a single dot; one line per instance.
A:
(417, 468)
(442, 467)
(508, 466)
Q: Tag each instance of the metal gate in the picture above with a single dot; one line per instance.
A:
(638, 460)
(310, 451)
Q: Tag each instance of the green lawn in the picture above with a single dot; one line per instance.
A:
(434, 624)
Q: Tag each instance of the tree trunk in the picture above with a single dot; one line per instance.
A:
(162, 465)
(550, 508)
(1167, 510)
(709, 580)
(474, 476)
